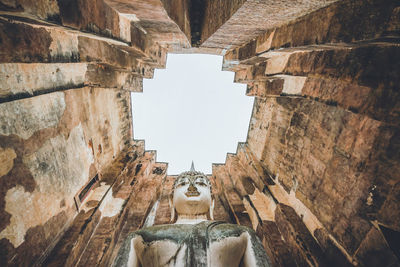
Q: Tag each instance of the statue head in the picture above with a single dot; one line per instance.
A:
(191, 195)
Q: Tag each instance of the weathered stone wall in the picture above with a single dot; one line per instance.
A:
(322, 135)
(117, 207)
(53, 145)
(318, 177)
(67, 70)
(228, 24)
(165, 22)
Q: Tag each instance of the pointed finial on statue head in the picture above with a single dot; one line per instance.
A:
(192, 167)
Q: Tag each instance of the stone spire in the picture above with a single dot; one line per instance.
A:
(192, 167)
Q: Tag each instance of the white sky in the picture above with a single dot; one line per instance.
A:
(191, 111)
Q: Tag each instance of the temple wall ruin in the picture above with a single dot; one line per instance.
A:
(65, 122)
(317, 178)
(53, 144)
(323, 129)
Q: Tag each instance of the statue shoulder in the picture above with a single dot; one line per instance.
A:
(236, 230)
(169, 232)
(228, 229)
(242, 228)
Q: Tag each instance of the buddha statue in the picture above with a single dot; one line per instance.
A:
(194, 239)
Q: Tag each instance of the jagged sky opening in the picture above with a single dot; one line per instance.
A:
(191, 111)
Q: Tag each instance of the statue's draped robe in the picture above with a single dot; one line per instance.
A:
(195, 239)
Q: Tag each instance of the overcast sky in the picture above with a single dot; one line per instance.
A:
(191, 111)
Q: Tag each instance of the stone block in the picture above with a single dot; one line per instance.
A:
(274, 244)
(44, 9)
(160, 19)
(332, 24)
(229, 24)
(374, 251)
(100, 75)
(305, 249)
(332, 253)
(20, 80)
(92, 16)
